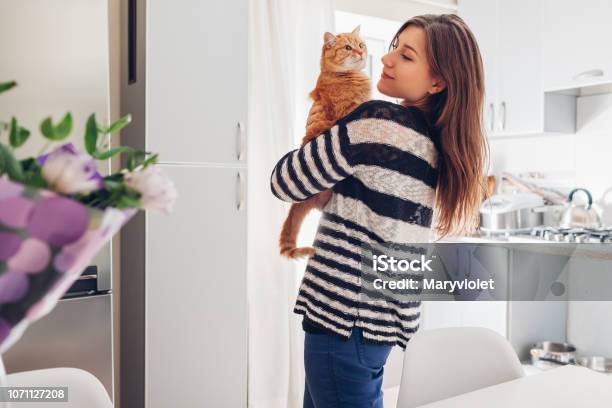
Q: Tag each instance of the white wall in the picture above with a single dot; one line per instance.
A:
(57, 51)
(594, 150)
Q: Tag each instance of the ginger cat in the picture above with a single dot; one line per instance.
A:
(341, 87)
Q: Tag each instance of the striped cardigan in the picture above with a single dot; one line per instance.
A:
(381, 163)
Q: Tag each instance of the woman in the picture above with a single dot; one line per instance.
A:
(389, 166)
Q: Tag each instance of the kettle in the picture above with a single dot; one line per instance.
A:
(580, 216)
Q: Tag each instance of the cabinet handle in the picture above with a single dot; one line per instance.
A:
(591, 73)
(492, 117)
(503, 116)
(240, 142)
(239, 192)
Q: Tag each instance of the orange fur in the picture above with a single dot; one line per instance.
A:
(340, 88)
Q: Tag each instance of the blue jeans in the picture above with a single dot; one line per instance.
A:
(343, 373)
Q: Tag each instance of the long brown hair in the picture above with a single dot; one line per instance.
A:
(456, 116)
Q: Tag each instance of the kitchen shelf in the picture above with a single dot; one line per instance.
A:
(560, 103)
(560, 109)
(593, 86)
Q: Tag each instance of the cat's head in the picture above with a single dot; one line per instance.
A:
(343, 52)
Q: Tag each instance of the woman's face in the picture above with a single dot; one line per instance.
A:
(406, 72)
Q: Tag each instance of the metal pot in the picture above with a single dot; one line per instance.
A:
(601, 364)
(545, 352)
(512, 212)
(580, 216)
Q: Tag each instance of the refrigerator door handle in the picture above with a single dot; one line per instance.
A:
(239, 192)
(87, 277)
(240, 142)
(132, 39)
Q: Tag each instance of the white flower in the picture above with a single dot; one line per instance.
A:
(70, 173)
(157, 190)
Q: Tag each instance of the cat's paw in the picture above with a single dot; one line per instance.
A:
(303, 252)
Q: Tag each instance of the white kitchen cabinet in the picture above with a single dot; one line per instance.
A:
(530, 321)
(440, 313)
(489, 314)
(196, 311)
(469, 261)
(590, 310)
(519, 80)
(196, 73)
(509, 34)
(481, 17)
(576, 49)
(519, 276)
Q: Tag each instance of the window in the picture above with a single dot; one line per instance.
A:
(377, 34)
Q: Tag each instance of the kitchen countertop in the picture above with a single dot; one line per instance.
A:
(530, 369)
(589, 250)
(567, 386)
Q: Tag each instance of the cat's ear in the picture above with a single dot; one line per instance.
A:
(356, 30)
(329, 39)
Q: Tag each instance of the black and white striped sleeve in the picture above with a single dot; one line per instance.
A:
(313, 168)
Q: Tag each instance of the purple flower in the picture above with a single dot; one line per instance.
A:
(67, 148)
(68, 171)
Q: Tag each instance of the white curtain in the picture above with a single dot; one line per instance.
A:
(284, 48)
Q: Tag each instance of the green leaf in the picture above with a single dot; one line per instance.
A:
(139, 157)
(114, 193)
(110, 153)
(116, 177)
(127, 202)
(29, 164)
(5, 86)
(151, 160)
(63, 129)
(23, 135)
(33, 173)
(119, 124)
(46, 128)
(135, 158)
(111, 184)
(59, 132)
(10, 165)
(91, 135)
(17, 135)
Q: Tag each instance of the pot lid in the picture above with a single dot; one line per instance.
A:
(502, 203)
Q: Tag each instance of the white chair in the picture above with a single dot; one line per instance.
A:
(443, 363)
(84, 389)
(392, 377)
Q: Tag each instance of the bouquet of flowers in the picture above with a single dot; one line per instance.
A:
(57, 211)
